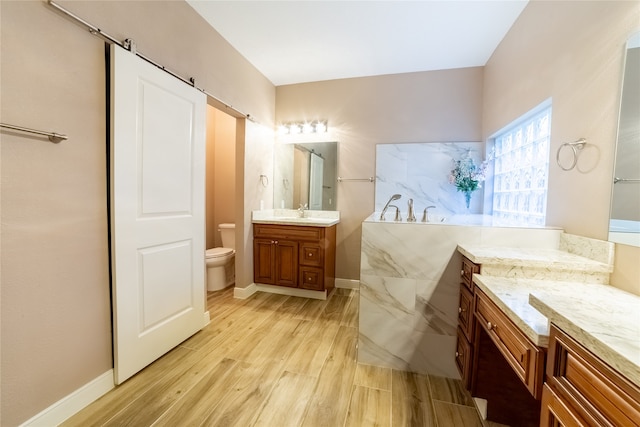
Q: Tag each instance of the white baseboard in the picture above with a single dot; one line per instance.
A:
(70, 405)
(207, 318)
(481, 406)
(244, 293)
(347, 284)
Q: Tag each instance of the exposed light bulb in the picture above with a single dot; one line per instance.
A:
(307, 128)
(321, 127)
(294, 129)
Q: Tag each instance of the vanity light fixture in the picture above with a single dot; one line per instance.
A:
(295, 128)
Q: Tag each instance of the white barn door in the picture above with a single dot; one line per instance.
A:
(157, 211)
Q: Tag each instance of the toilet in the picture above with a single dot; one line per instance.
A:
(220, 261)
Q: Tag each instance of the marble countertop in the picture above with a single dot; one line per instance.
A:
(311, 218)
(533, 257)
(604, 319)
(512, 297)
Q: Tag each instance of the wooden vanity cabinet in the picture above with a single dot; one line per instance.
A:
(275, 262)
(525, 358)
(464, 344)
(294, 256)
(581, 390)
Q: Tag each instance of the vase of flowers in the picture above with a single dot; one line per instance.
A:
(467, 176)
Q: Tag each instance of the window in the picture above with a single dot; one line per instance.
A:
(521, 169)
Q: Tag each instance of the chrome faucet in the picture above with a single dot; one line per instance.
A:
(425, 214)
(394, 197)
(301, 210)
(398, 217)
(410, 216)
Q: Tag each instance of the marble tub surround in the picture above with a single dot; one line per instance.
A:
(602, 318)
(409, 289)
(292, 217)
(420, 171)
(436, 218)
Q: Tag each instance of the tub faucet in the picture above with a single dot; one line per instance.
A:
(410, 216)
(425, 214)
(384, 210)
(398, 217)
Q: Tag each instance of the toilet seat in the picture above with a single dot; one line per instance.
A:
(219, 252)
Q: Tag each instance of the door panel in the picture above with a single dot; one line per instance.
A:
(286, 263)
(157, 211)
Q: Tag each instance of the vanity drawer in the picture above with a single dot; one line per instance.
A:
(465, 312)
(294, 232)
(466, 273)
(311, 278)
(524, 357)
(590, 387)
(310, 254)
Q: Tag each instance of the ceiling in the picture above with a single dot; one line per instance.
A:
(303, 41)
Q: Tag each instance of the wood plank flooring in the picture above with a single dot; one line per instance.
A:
(273, 361)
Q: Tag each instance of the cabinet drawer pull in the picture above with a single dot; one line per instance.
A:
(491, 326)
(462, 272)
(458, 354)
(461, 310)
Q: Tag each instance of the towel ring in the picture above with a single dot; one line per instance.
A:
(575, 146)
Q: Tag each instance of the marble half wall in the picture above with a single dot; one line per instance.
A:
(410, 285)
(420, 171)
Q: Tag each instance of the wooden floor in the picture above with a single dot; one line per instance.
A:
(273, 360)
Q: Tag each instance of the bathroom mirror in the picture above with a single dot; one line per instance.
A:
(306, 173)
(624, 222)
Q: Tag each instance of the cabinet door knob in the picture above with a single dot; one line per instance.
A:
(460, 309)
(458, 354)
(462, 272)
(276, 242)
(490, 326)
(310, 254)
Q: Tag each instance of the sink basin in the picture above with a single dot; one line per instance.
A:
(290, 217)
(298, 220)
(304, 219)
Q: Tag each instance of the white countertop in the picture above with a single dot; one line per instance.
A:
(311, 218)
(533, 257)
(512, 297)
(604, 319)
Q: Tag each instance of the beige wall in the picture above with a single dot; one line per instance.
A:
(221, 173)
(55, 318)
(571, 52)
(437, 106)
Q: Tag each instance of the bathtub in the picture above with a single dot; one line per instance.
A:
(624, 231)
(456, 219)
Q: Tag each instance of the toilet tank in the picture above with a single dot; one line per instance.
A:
(228, 234)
